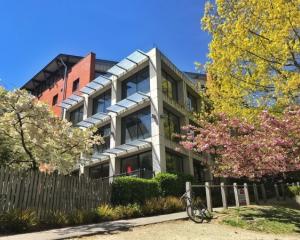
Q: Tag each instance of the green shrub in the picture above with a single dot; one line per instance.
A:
(128, 190)
(294, 190)
(173, 204)
(16, 221)
(129, 211)
(83, 217)
(171, 184)
(54, 219)
(162, 206)
(106, 213)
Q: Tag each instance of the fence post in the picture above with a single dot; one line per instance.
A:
(283, 191)
(246, 194)
(223, 193)
(208, 196)
(236, 195)
(255, 193)
(276, 191)
(298, 184)
(263, 191)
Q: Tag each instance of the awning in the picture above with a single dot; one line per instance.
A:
(128, 103)
(94, 120)
(71, 101)
(97, 84)
(102, 81)
(121, 150)
(128, 63)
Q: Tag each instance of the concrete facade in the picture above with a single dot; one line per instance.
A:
(156, 151)
(158, 143)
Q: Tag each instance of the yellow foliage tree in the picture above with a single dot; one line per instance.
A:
(254, 54)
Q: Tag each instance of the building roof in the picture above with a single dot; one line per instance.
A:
(54, 66)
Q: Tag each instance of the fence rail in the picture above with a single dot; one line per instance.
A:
(50, 192)
(238, 194)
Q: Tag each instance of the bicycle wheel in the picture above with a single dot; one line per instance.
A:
(195, 214)
(206, 214)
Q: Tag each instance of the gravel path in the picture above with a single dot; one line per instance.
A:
(187, 230)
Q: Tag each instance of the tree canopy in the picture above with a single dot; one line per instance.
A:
(241, 148)
(254, 55)
(31, 135)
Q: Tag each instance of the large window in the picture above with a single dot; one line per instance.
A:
(140, 161)
(199, 173)
(191, 102)
(136, 126)
(171, 124)
(102, 102)
(174, 162)
(169, 86)
(138, 82)
(100, 171)
(76, 115)
(75, 85)
(105, 133)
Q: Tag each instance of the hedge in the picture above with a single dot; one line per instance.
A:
(126, 190)
(171, 184)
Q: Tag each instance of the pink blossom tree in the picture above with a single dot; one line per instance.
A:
(239, 148)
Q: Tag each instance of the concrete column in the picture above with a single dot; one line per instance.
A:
(85, 106)
(114, 128)
(157, 128)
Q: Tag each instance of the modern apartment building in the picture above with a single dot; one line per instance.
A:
(137, 105)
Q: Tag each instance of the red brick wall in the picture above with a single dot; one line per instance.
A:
(84, 70)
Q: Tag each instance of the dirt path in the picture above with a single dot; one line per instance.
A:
(187, 230)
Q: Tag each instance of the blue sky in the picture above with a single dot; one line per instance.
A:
(33, 32)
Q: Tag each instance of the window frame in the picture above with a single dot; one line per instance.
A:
(75, 85)
(101, 166)
(80, 110)
(55, 100)
(137, 82)
(170, 155)
(134, 130)
(169, 118)
(171, 86)
(137, 158)
(104, 97)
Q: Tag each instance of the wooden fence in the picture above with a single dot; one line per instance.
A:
(237, 195)
(50, 192)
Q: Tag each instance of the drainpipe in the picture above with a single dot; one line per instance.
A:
(65, 84)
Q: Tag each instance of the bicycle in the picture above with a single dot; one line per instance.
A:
(196, 210)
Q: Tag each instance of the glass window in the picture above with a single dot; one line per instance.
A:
(174, 162)
(54, 100)
(198, 171)
(105, 133)
(102, 102)
(171, 124)
(138, 82)
(136, 162)
(76, 115)
(75, 86)
(136, 126)
(99, 171)
(191, 102)
(169, 86)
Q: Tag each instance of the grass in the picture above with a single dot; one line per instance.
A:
(268, 219)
